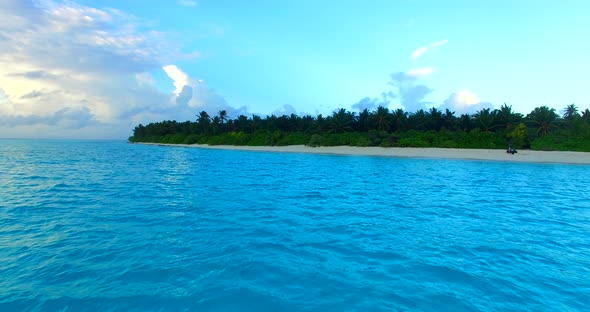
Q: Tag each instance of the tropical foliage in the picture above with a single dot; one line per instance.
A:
(542, 129)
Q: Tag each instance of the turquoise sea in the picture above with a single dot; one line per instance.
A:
(112, 226)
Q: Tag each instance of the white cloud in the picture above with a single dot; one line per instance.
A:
(464, 98)
(99, 53)
(420, 72)
(66, 66)
(180, 78)
(187, 2)
(420, 51)
(439, 43)
(144, 79)
(416, 54)
(464, 102)
(195, 93)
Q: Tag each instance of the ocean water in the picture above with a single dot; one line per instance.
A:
(111, 226)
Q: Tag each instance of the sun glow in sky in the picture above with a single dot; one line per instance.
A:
(95, 69)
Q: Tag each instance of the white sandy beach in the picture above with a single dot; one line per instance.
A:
(445, 153)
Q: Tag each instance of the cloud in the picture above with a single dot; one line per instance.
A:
(406, 88)
(195, 95)
(439, 43)
(31, 95)
(285, 110)
(365, 103)
(420, 72)
(60, 57)
(68, 118)
(89, 39)
(205, 98)
(184, 96)
(372, 104)
(67, 66)
(144, 79)
(36, 74)
(420, 51)
(187, 2)
(464, 102)
(179, 77)
(410, 93)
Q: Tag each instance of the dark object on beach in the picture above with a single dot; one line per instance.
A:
(511, 150)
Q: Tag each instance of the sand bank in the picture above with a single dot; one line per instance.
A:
(446, 153)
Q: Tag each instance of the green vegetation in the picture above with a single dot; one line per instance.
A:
(541, 129)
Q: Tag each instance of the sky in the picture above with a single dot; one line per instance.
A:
(95, 69)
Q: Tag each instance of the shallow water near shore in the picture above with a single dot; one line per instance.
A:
(106, 225)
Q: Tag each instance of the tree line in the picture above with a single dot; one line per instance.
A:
(542, 129)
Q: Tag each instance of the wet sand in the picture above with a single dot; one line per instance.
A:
(411, 152)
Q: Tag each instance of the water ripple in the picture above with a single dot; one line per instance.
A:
(109, 226)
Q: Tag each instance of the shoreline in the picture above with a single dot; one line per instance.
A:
(527, 156)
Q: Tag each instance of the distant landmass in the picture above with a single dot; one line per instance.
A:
(541, 129)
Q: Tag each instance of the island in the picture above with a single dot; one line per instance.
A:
(543, 129)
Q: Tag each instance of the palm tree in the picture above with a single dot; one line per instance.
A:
(283, 123)
(320, 124)
(295, 122)
(215, 124)
(586, 115)
(204, 121)
(506, 118)
(544, 119)
(434, 119)
(186, 127)
(341, 121)
(139, 131)
(449, 119)
(484, 119)
(230, 125)
(570, 112)
(364, 121)
(222, 116)
(271, 123)
(242, 123)
(417, 120)
(400, 119)
(256, 121)
(382, 118)
(465, 122)
(306, 123)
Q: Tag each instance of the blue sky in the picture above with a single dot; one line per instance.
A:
(95, 69)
